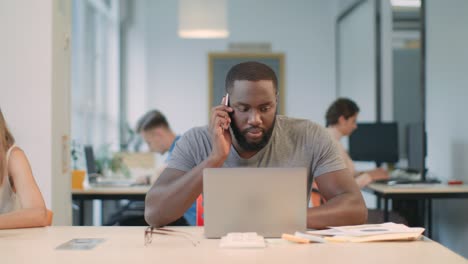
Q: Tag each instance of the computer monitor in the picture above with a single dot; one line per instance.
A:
(416, 147)
(374, 142)
(90, 161)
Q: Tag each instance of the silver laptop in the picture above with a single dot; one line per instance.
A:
(269, 201)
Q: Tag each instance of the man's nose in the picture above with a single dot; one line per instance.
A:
(254, 118)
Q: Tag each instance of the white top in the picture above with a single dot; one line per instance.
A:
(336, 135)
(9, 201)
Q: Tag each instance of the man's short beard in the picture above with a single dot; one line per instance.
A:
(254, 146)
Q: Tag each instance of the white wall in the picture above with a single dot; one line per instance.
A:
(342, 5)
(357, 44)
(446, 96)
(34, 88)
(135, 58)
(302, 29)
(356, 58)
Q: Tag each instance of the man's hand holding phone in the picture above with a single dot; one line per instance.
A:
(219, 127)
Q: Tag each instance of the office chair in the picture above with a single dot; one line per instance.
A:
(200, 210)
(50, 216)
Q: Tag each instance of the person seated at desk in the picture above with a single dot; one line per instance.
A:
(21, 202)
(341, 119)
(245, 131)
(155, 130)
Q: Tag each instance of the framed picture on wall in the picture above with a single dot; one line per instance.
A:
(220, 63)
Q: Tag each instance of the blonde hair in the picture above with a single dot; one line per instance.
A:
(6, 141)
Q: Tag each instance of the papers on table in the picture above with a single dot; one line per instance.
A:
(361, 233)
(300, 237)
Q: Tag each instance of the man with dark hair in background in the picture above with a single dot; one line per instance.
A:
(245, 131)
(156, 132)
(154, 129)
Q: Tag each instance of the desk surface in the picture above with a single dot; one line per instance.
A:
(112, 190)
(126, 245)
(418, 188)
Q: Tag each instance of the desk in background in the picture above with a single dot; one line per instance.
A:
(134, 193)
(126, 245)
(424, 192)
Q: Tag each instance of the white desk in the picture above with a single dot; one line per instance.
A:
(111, 192)
(435, 190)
(425, 192)
(134, 193)
(125, 245)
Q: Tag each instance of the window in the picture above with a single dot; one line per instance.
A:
(95, 73)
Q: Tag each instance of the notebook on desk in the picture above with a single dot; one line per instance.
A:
(268, 201)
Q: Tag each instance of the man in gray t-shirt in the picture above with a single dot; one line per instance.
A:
(245, 131)
(293, 143)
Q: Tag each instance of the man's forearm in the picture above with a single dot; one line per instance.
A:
(172, 195)
(344, 209)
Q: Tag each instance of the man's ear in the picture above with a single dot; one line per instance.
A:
(159, 131)
(341, 120)
(276, 104)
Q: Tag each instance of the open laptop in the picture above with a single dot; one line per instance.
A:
(90, 161)
(95, 179)
(269, 201)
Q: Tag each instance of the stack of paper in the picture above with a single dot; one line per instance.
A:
(368, 233)
(362, 233)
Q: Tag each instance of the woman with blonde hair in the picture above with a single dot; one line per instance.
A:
(21, 202)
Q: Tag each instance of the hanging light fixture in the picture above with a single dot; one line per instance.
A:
(203, 19)
(406, 3)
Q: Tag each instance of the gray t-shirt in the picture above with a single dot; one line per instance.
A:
(294, 143)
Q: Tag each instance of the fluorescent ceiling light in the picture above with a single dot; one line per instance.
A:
(406, 3)
(203, 19)
(203, 33)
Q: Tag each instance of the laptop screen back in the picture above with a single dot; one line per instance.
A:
(269, 201)
(90, 162)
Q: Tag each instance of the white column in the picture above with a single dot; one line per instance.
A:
(34, 92)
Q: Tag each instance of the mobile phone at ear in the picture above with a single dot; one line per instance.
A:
(226, 99)
(228, 103)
